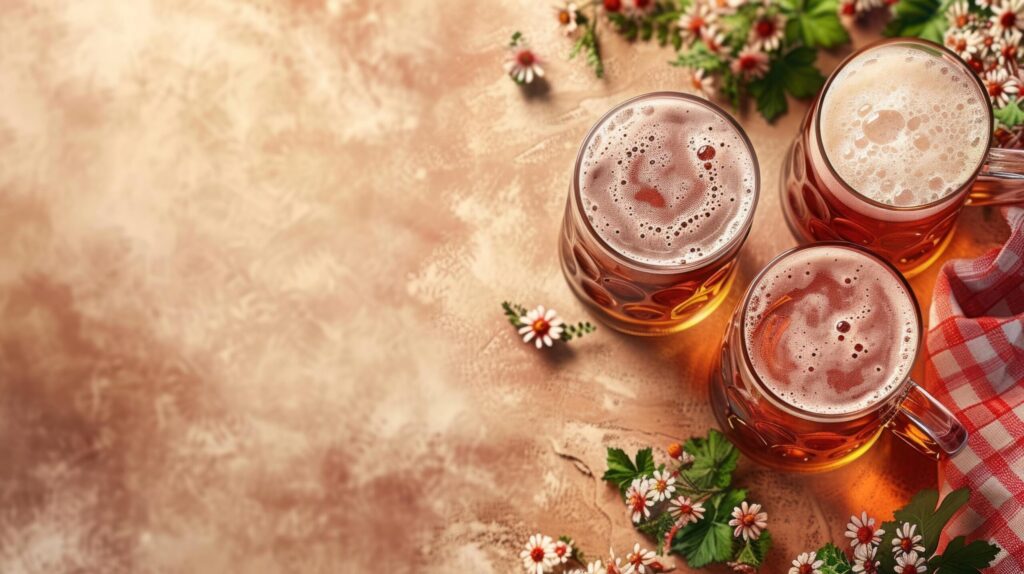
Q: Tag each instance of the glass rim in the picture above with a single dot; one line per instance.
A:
(921, 44)
(717, 254)
(902, 388)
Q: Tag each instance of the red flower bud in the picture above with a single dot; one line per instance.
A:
(613, 5)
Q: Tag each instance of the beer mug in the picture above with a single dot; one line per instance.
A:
(894, 146)
(816, 363)
(661, 200)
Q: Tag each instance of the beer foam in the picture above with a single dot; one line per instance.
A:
(830, 330)
(668, 181)
(903, 126)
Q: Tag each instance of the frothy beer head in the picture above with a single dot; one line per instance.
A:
(830, 330)
(904, 126)
(666, 180)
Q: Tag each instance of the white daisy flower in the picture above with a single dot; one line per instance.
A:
(638, 560)
(563, 551)
(640, 498)
(861, 531)
(964, 42)
(686, 459)
(539, 554)
(1007, 15)
(541, 326)
(1008, 47)
(523, 65)
(663, 484)
(906, 541)
(806, 564)
(595, 567)
(566, 14)
(864, 559)
(702, 83)
(910, 563)
(614, 565)
(748, 520)
(767, 31)
(959, 14)
(685, 510)
(750, 63)
(697, 21)
(714, 39)
(1001, 86)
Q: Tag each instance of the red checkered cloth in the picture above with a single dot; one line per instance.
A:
(976, 367)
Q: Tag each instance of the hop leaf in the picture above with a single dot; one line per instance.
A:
(714, 460)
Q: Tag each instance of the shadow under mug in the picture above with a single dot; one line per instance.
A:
(819, 205)
(769, 427)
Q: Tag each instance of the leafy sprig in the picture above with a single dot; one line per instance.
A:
(929, 516)
(515, 313)
(703, 473)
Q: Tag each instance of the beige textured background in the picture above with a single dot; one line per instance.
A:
(251, 256)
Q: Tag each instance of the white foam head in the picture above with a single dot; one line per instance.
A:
(905, 126)
(830, 330)
(667, 180)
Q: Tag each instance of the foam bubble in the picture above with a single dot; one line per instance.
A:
(830, 329)
(673, 184)
(871, 123)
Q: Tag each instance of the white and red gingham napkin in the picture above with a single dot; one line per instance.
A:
(976, 367)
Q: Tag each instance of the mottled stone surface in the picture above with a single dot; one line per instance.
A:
(251, 256)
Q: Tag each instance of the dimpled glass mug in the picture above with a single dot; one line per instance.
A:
(894, 146)
(661, 200)
(816, 363)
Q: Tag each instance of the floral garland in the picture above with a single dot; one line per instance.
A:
(766, 49)
(684, 505)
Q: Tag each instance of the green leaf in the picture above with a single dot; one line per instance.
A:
(816, 23)
(923, 18)
(770, 95)
(513, 312)
(930, 520)
(753, 551)
(588, 44)
(621, 470)
(799, 76)
(699, 57)
(710, 539)
(714, 461)
(645, 461)
(835, 560)
(960, 559)
(1010, 115)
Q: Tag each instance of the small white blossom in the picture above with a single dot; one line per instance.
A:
(750, 63)
(959, 14)
(1008, 48)
(767, 31)
(864, 559)
(523, 65)
(964, 42)
(685, 510)
(638, 560)
(541, 326)
(861, 531)
(906, 540)
(910, 563)
(748, 521)
(663, 484)
(640, 499)
(566, 15)
(702, 83)
(563, 551)
(697, 22)
(1007, 15)
(806, 564)
(1001, 86)
(539, 554)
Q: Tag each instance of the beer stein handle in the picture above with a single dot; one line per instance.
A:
(927, 425)
(1001, 181)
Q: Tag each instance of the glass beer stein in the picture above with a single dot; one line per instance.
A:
(816, 363)
(661, 199)
(889, 152)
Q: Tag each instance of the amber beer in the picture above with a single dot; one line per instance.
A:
(887, 163)
(661, 199)
(817, 359)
